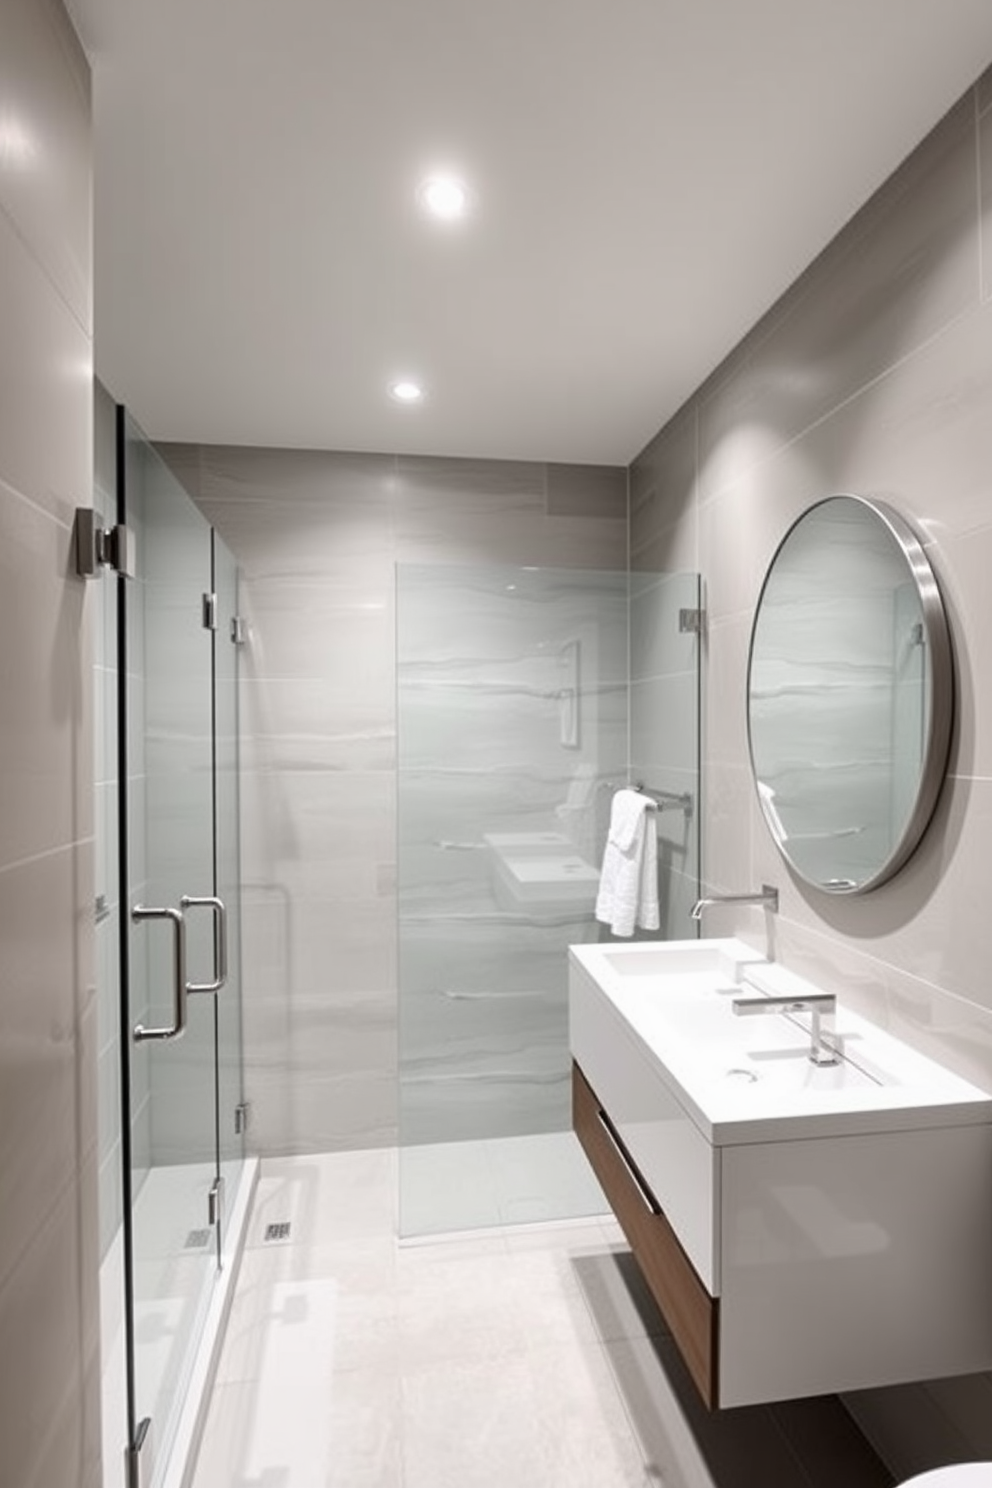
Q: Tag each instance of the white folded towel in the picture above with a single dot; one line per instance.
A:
(628, 881)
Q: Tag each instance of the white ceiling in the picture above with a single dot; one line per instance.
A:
(649, 176)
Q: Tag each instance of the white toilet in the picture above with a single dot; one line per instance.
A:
(965, 1475)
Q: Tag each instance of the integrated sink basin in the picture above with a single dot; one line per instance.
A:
(806, 1228)
(741, 1079)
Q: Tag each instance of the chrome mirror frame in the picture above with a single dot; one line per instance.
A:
(940, 712)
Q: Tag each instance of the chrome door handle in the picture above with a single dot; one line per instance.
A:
(210, 901)
(141, 1033)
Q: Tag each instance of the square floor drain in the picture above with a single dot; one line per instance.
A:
(278, 1231)
(197, 1239)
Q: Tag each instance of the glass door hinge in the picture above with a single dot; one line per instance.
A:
(213, 1201)
(241, 1119)
(690, 622)
(99, 547)
(210, 612)
(239, 630)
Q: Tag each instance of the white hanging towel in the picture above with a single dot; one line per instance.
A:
(628, 881)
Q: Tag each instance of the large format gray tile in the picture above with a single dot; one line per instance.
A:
(45, 180)
(985, 189)
(587, 491)
(46, 1404)
(52, 390)
(39, 1135)
(662, 483)
(901, 270)
(344, 483)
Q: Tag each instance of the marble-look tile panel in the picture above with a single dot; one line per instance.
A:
(51, 389)
(45, 186)
(930, 916)
(46, 1404)
(728, 643)
(985, 197)
(307, 724)
(428, 489)
(727, 790)
(47, 729)
(335, 1114)
(901, 271)
(277, 538)
(671, 549)
(40, 932)
(952, 1029)
(339, 626)
(587, 491)
(657, 646)
(342, 819)
(664, 721)
(340, 481)
(663, 481)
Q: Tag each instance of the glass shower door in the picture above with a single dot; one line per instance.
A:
(168, 853)
(227, 880)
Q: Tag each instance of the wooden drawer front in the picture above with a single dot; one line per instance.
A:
(689, 1310)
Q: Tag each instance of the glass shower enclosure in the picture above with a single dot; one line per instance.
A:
(179, 947)
(514, 729)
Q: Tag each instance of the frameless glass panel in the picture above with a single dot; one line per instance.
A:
(228, 880)
(167, 705)
(512, 732)
(664, 733)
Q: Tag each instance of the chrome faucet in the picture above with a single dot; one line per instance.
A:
(819, 1005)
(768, 897)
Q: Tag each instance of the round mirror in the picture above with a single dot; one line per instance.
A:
(849, 694)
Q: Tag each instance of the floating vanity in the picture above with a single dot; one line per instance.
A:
(805, 1227)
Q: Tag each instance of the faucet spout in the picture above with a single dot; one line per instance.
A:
(819, 1005)
(768, 897)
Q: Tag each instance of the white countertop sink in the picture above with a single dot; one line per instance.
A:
(747, 1079)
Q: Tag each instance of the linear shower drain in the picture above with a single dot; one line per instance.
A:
(278, 1231)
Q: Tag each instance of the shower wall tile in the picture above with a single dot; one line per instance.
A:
(317, 535)
(587, 491)
(351, 483)
(45, 85)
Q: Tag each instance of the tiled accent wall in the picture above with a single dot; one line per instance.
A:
(49, 1242)
(873, 374)
(318, 536)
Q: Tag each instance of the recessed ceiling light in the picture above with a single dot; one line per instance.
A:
(405, 390)
(444, 197)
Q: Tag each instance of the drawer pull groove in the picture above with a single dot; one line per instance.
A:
(643, 1192)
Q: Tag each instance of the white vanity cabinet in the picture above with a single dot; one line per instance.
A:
(798, 1242)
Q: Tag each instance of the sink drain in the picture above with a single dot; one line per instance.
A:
(742, 1076)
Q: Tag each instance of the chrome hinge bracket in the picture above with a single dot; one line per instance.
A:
(213, 1201)
(241, 1118)
(99, 547)
(239, 630)
(210, 612)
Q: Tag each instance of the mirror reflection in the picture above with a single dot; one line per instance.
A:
(849, 694)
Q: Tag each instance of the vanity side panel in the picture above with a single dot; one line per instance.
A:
(690, 1312)
(677, 1162)
(856, 1261)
